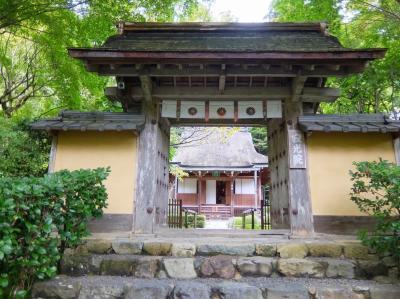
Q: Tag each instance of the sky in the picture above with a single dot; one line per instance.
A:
(244, 11)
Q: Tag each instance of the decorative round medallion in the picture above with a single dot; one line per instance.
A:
(192, 111)
(250, 110)
(221, 111)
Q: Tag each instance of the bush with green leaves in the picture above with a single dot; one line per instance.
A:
(39, 219)
(376, 191)
(23, 151)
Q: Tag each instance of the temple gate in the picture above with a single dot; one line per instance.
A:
(212, 74)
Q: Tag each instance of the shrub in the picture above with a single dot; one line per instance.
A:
(200, 221)
(39, 218)
(23, 152)
(376, 191)
(238, 222)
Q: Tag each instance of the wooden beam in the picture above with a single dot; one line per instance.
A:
(211, 57)
(147, 87)
(260, 71)
(396, 145)
(297, 87)
(310, 94)
(222, 78)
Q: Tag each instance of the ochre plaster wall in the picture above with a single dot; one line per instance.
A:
(118, 150)
(330, 157)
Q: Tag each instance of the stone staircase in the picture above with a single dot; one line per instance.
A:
(216, 211)
(237, 270)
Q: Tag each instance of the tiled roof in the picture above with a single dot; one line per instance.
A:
(92, 121)
(220, 149)
(348, 123)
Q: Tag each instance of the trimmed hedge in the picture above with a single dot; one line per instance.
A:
(39, 219)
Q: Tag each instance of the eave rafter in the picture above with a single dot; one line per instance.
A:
(309, 94)
(325, 70)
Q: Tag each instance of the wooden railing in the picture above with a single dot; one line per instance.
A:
(250, 212)
(265, 214)
(178, 217)
(175, 213)
(187, 213)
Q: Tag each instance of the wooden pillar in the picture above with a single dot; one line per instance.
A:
(396, 144)
(300, 210)
(289, 190)
(53, 152)
(199, 193)
(150, 206)
(278, 167)
(255, 190)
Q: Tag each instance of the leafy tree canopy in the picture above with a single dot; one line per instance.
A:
(36, 73)
(357, 24)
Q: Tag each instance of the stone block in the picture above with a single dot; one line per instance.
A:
(102, 291)
(292, 250)
(266, 249)
(255, 266)
(58, 287)
(77, 265)
(338, 293)
(147, 267)
(355, 251)
(127, 247)
(320, 249)
(180, 268)
(340, 269)
(191, 290)
(157, 248)
(98, 246)
(226, 249)
(370, 269)
(300, 268)
(286, 292)
(218, 266)
(117, 265)
(385, 292)
(149, 289)
(183, 249)
(236, 290)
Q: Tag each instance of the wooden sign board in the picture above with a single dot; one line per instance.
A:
(250, 109)
(274, 109)
(168, 109)
(193, 109)
(222, 109)
(297, 149)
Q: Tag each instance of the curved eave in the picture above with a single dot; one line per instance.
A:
(156, 56)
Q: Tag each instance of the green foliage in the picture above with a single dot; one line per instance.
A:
(39, 218)
(200, 221)
(357, 24)
(23, 152)
(238, 222)
(40, 31)
(376, 191)
(259, 135)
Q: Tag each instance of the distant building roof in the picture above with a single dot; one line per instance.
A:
(221, 149)
(348, 123)
(92, 121)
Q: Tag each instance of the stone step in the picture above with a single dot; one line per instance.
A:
(224, 267)
(106, 287)
(208, 247)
